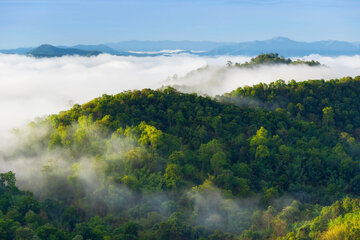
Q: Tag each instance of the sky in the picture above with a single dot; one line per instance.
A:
(70, 22)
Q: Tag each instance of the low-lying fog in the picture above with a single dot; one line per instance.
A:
(31, 87)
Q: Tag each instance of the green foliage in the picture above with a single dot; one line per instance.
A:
(330, 102)
(338, 221)
(7, 181)
(160, 164)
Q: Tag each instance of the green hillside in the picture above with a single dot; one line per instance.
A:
(277, 161)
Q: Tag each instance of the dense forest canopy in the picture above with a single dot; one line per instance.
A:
(309, 100)
(271, 161)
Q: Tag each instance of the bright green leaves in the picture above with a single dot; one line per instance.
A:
(131, 182)
(150, 135)
(328, 116)
(261, 137)
(156, 139)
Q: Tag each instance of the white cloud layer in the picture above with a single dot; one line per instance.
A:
(32, 87)
(217, 80)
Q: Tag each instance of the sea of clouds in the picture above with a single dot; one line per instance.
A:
(32, 87)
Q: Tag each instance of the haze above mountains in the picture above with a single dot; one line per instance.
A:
(283, 46)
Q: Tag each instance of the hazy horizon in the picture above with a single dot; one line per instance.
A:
(169, 40)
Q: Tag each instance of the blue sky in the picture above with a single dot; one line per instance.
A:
(65, 22)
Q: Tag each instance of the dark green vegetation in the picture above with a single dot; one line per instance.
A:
(166, 165)
(334, 103)
(271, 58)
(47, 50)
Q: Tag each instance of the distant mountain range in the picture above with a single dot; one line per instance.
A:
(23, 50)
(284, 46)
(153, 46)
(288, 47)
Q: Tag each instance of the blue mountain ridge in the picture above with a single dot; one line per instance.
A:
(282, 45)
(47, 50)
(288, 47)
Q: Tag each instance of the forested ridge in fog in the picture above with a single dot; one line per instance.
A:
(271, 161)
(180, 120)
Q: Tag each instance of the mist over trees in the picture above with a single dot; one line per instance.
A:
(271, 161)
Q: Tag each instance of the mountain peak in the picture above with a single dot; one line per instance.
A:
(46, 46)
(280, 39)
(47, 50)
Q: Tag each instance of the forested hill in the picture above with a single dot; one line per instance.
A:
(271, 59)
(334, 102)
(160, 164)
